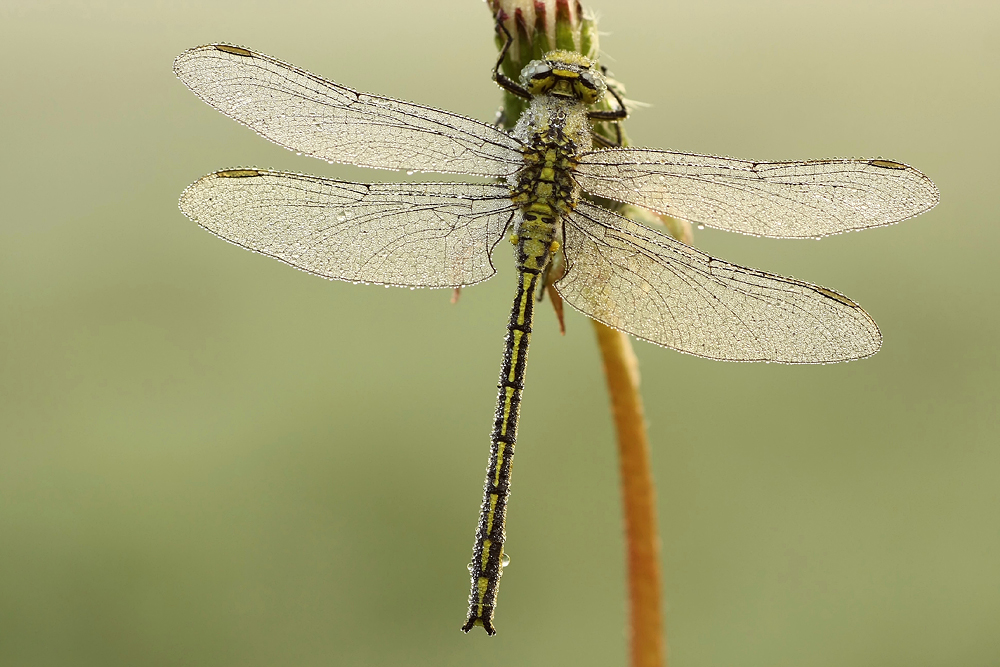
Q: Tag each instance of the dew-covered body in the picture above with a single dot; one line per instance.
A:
(554, 131)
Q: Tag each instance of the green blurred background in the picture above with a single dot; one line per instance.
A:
(208, 458)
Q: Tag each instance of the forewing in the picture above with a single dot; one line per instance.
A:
(778, 199)
(311, 115)
(635, 279)
(406, 234)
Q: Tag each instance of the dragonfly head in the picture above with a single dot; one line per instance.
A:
(564, 74)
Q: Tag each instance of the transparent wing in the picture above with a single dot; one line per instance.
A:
(658, 289)
(777, 199)
(406, 234)
(311, 115)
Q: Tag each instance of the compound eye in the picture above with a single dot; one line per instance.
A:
(536, 69)
(541, 72)
(591, 87)
(593, 81)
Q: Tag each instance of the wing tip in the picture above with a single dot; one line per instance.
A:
(924, 199)
(237, 172)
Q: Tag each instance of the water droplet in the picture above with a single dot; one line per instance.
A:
(504, 560)
(469, 567)
(410, 172)
(701, 226)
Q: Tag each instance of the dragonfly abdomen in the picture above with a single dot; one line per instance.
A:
(535, 243)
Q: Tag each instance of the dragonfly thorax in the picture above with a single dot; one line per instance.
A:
(554, 131)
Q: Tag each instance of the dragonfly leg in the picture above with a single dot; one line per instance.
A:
(607, 143)
(621, 113)
(499, 77)
(614, 115)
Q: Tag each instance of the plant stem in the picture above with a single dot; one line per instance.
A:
(621, 369)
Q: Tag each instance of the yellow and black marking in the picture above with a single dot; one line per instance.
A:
(487, 558)
(545, 191)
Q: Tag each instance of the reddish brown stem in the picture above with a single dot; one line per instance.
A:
(646, 640)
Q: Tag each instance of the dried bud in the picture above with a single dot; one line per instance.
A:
(540, 26)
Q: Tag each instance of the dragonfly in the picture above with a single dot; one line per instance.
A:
(443, 235)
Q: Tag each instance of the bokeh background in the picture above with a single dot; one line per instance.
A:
(209, 458)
